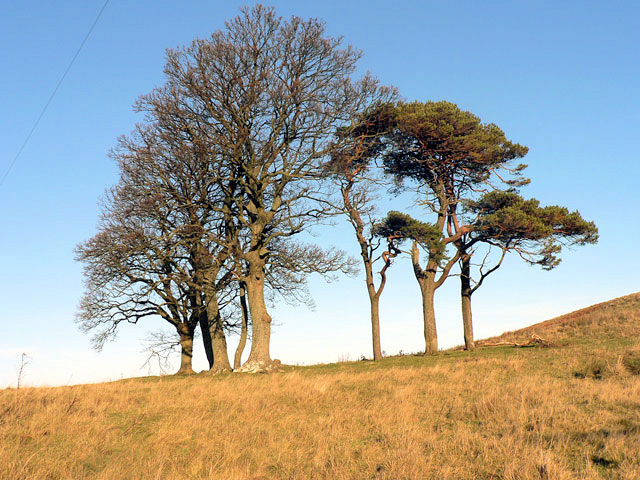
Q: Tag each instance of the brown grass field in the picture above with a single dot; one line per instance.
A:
(570, 411)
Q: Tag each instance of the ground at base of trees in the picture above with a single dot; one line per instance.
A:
(569, 411)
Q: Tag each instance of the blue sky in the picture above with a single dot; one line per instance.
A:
(560, 77)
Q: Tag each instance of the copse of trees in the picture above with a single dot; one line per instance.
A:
(270, 93)
(259, 133)
(252, 109)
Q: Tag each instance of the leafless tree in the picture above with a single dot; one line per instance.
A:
(135, 269)
(267, 94)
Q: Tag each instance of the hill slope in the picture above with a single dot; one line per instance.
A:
(616, 319)
(571, 411)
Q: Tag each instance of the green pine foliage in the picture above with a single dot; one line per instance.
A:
(509, 221)
(438, 143)
(402, 226)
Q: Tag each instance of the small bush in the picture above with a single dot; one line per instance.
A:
(631, 361)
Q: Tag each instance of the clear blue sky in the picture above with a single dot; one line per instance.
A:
(560, 77)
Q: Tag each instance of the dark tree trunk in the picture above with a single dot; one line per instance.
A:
(465, 295)
(259, 357)
(218, 338)
(206, 336)
(186, 345)
(237, 361)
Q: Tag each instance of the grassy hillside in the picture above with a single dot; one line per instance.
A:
(615, 320)
(570, 411)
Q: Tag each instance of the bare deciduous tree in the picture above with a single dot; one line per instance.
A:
(25, 360)
(268, 93)
(136, 269)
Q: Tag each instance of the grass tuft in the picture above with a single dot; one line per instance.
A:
(631, 361)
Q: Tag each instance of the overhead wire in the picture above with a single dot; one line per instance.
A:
(53, 94)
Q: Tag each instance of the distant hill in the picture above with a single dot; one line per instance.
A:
(617, 318)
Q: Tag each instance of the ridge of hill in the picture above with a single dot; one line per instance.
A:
(618, 318)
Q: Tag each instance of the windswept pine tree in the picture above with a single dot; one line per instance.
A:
(445, 155)
(506, 221)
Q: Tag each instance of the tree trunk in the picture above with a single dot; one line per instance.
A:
(429, 317)
(374, 302)
(237, 361)
(426, 280)
(259, 358)
(206, 336)
(465, 295)
(186, 345)
(375, 327)
(374, 296)
(218, 338)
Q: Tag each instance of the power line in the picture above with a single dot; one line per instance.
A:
(55, 90)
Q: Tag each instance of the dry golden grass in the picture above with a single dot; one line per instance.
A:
(500, 413)
(618, 318)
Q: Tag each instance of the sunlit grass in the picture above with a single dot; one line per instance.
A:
(495, 413)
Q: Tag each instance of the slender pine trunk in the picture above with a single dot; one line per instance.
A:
(365, 252)
(374, 302)
(426, 281)
(429, 317)
(465, 295)
(375, 327)
(237, 361)
(186, 346)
